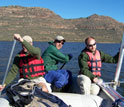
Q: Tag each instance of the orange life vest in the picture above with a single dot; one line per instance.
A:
(94, 63)
(30, 66)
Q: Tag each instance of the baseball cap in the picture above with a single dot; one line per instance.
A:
(60, 38)
(28, 38)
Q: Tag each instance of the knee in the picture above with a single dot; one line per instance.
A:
(83, 79)
(60, 82)
(94, 89)
(4, 102)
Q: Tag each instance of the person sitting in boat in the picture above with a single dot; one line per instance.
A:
(29, 64)
(90, 63)
(52, 56)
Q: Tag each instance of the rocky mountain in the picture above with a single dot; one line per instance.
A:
(43, 24)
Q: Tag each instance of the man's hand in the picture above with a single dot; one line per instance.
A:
(98, 81)
(95, 80)
(70, 56)
(44, 87)
(2, 87)
(18, 37)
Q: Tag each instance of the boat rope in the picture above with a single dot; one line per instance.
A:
(113, 94)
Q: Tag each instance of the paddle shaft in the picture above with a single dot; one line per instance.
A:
(13, 47)
(119, 64)
(62, 66)
(109, 83)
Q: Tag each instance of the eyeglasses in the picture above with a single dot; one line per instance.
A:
(91, 45)
(61, 42)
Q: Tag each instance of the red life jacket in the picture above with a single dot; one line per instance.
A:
(94, 63)
(30, 66)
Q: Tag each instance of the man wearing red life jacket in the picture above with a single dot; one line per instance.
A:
(90, 63)
(28, 63)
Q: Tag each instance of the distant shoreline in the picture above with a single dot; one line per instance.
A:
(67, 41)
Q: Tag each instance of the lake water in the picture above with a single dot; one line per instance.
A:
(108, 70)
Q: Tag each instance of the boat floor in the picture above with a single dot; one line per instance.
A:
(106, 97)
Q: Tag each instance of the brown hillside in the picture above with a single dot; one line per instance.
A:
(43, 25)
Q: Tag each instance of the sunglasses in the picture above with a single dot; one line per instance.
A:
(91, 45)
(61, 42)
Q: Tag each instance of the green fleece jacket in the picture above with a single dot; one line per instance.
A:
(84, 58)
(52, 56)
(34, 51)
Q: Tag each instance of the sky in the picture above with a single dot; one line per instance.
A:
(71, 9)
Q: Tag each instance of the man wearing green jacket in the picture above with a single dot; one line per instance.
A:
(28, 63)
(52, 56)
(90, 63)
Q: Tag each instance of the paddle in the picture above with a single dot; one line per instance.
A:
(119, 64)
(10, 57)
(70, 57)
(113, 83)
(62, 66)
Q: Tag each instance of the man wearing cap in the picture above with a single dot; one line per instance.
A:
(28, 63)
(52, 56)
